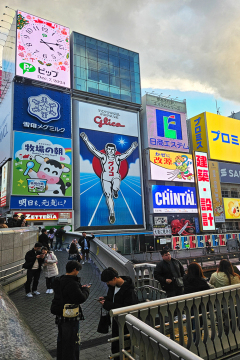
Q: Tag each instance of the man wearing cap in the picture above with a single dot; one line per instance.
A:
(120, 293)
(33, 262)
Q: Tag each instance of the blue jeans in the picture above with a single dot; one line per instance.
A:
(58, 242)
(68, 341)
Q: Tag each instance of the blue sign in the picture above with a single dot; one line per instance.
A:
(41, 111)
(229, 173)
(174, 199)
(169, 125)
(43, 202)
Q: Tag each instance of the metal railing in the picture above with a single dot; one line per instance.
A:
(209, 329)
(148, 343)
(3, 278)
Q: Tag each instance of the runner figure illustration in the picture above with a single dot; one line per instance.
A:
(110, 177)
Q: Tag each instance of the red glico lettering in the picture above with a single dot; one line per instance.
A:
(98, 120)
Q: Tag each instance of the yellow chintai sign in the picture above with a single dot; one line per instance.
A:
(223, 137)
(171, 166)
(232, 208)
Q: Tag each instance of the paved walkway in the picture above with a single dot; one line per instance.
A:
(36, 312)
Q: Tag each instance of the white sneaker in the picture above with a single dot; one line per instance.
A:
(47, 292)
(50, 291)
(29, 295)
(175, 318)
(184, 317)
(36, 292)
(83, 263)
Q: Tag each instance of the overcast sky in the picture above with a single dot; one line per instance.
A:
(188, 48)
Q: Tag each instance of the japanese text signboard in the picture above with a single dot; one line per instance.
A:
(229, 173)
(198, 128)
(42, 50)
(174, 199)
(41, 111)
(40, 215)
(171, 166)
(4, 184)
(204, 191)
(216, 192)
(166, 129)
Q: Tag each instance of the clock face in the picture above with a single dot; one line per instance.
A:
(42, 50)
(44, 43)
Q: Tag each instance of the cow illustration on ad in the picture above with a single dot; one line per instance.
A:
(42, 166)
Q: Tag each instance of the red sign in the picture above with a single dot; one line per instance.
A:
(106, 121)
(40, 216)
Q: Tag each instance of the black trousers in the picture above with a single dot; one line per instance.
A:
(32, 275)
(68, 340)
(85, 254)
(49, 282)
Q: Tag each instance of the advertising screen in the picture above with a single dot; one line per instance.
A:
(174, 199)
(232, 208)
(166, 129)
(229, 173)
(216, 192)
(4, 185)
(199, 137)
(223, 137)
(171, 166)
(204, 191)
(42, 51)
(41, 111)
(42, 166)
(110, 184)
(5, 127)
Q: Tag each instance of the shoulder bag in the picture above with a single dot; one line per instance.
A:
(104, 323)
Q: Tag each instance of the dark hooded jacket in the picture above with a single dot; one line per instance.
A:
(44, 240)
(195, 284)
(163, 272)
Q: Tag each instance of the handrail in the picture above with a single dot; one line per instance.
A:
(11, 267)
(151, 337)
(12, 273)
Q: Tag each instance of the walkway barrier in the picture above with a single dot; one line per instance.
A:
(208, 321)
(148, 343)
(17, 339)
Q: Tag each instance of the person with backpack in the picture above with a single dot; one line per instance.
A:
(73, 253)
(59, 234)
(68, 295)
(50, 269)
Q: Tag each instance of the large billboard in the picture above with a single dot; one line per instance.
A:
(229, 173)
(42, 50)
(174, 199)
(204, 191)
(110, 183)
(42, 167)
(216, 192)
(171, 166)
(41, 111)
(166, 129)
(199, 138)
(4, 186)
(5, 127)
(232, 208)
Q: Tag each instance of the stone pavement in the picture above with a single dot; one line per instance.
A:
(36, 312)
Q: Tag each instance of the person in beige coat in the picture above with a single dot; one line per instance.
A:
(50, 268)
(225, 275)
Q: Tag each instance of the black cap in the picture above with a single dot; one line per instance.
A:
(38, 244)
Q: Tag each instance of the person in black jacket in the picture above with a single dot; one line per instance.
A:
(72, 292)
(33, 262)
(120, 293)
(44, 239)
(14, 221)
(59, 234)
(167, 271)
(84, 242)
(194, 280)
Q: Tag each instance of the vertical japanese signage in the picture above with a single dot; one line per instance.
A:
(198, 128)
(166, 129)
(216, 192)
(42, 50)
(204, 191)
(4, 185)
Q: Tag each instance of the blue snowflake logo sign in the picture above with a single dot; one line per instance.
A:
(44, 108)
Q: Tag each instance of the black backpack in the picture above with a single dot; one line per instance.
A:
(57, 302)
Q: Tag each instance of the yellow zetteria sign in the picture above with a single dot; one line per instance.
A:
(232, 208)
(223, 137)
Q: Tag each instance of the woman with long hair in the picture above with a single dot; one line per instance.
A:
(194, 280)
(224, 275)
(73, 253)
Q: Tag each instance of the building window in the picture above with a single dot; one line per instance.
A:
(225, 193)
(234, 194)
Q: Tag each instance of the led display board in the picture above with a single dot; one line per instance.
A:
(204, 191)
(174, 199)
(229, 173)
(5, 127)
(110, 181)
(41, 111)
(4, 185)
(166, 129)
(42, 50)
(232, 208)
(43, 202)
(216, 192)
(171, 166)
